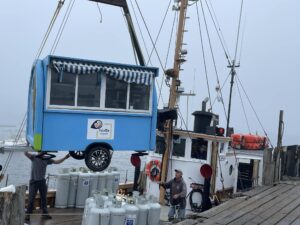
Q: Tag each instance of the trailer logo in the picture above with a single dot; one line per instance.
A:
(97, 124)
(100, 129)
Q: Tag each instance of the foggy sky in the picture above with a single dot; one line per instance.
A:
(269, 57)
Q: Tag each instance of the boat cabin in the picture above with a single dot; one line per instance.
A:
(91, 107)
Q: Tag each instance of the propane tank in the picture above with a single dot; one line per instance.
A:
(89, 203)
(154, 212)
(143, 211)
(83, 189)
(102, 181)
(99, 214)
(116, 181)
(117, 214)
(93, 184)
(62, 190)
(131, 214)
(109, 181)
(72, 189)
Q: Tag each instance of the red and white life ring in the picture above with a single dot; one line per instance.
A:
(153, 170)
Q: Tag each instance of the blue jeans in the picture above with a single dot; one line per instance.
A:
(172, 211)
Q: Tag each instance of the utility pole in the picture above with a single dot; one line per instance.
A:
(278, 149)
(233, 73)
(173, 93)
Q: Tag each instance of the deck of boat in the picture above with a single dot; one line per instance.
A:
(70, 216)
(278, 204)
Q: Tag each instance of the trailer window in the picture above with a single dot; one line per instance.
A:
(116, 94)
(139, 97)
(89, 90)
(63, 89)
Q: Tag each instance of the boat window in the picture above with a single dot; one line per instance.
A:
(199, 149)
(160, 145)
(222, 148)
(62, 89)
(116, 94)
(179, 147)
(139, 97)
(89, 90)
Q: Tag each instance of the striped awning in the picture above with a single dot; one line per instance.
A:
(129, 75)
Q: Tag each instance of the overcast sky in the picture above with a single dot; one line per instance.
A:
(269, 58)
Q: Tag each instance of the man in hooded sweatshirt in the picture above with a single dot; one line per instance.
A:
(177, 188)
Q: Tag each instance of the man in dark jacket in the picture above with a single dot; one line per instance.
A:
(37, 181)
(177, 188)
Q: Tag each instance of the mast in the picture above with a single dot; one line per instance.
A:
(233, 73)
(173, 93)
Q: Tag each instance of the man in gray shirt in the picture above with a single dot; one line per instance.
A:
(177, 188)
(37, 181)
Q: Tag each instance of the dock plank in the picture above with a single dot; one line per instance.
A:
(266, 211)
(70, 216)
(290, 218)
(247, 206)
(227, 205)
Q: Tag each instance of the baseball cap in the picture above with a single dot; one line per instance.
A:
(178, 171)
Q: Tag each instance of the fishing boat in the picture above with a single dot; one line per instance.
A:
(236, 160)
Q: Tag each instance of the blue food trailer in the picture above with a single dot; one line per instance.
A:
(91, 108)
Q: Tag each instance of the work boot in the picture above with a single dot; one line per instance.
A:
(46, 216)
(27, 218)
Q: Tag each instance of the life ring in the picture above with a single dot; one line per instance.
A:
(153, 169)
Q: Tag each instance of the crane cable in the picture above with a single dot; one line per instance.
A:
(62, 26)
(58, 8)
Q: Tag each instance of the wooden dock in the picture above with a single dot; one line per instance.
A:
(267, 205)
(70, 216)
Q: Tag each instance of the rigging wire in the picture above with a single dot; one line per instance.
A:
(242, 39)
(159, 31)
(219, 31)
(213, 57)
(62, 26)
(203, 55)
(167, 57)
(100, 13)
(238, 33)
(221, 88)
(159, 59)
(243, 106)
(46, 36)
(256, 115)
(140, 30)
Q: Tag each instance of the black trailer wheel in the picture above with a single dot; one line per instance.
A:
(77, 154)
(97, 158)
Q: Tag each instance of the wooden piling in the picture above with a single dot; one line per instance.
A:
(12, 206)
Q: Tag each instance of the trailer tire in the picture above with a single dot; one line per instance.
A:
(97, 158)
(77, 154)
